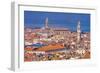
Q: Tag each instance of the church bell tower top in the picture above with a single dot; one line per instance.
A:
(46, 22)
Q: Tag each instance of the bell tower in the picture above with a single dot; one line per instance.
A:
(78, 34)
(46, 23)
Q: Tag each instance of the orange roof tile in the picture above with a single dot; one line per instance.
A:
(50, 47)
(28, 49)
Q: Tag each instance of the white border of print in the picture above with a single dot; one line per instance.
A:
(17, 60)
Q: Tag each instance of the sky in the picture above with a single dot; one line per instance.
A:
(57, 19)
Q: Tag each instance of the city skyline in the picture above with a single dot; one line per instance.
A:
(57, 19)
(51, 36)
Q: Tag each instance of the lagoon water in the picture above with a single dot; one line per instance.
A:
(57, 19)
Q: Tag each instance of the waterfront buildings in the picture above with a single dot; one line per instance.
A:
(49, 40)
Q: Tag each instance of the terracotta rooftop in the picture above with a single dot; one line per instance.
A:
(51, 47)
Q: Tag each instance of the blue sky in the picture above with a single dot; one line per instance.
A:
(57, 19)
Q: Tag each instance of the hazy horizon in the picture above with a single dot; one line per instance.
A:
(57, 19)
